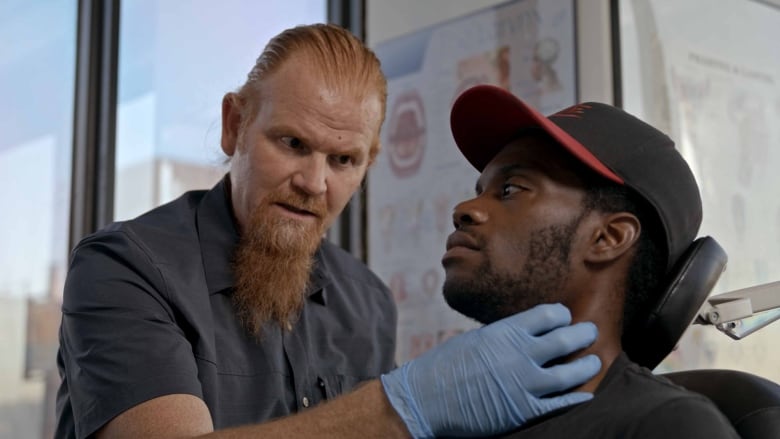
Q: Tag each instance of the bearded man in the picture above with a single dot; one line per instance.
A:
(224, 309)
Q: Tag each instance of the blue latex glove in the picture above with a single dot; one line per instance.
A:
(491, 380)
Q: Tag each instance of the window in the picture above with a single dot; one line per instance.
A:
(37, 42)
(176, 61)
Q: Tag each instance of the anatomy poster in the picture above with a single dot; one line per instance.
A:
(724, 111)
(524, 46)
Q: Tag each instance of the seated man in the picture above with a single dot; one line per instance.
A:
(590, 208)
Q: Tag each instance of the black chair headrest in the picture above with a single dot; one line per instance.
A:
(684, 291)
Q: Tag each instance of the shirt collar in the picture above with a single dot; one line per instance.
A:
(621, 362)
(318, 280)
(219, 236)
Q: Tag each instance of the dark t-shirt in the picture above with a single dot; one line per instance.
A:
(632, 403)
(147, 312)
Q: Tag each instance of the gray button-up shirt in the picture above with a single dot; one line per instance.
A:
(147, 312)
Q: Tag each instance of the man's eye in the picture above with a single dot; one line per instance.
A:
(292, 142)
(343, 160)
(508, 189)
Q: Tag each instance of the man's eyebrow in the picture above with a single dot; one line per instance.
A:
(512, 169)
(354, 151)
(289, 130)
(503, 171)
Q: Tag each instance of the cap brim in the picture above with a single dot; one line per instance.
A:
(485, 118)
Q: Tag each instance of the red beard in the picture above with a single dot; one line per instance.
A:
(273, 262)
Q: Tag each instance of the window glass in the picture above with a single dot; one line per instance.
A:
(37, 68)
(176, 61)
(710, 77)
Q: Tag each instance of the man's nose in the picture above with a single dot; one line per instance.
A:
(468, 213)
(311, 177)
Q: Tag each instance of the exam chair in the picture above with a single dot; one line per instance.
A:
(750, 402)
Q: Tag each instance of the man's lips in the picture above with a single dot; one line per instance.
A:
(459, 244)
(461, 239)
(297, 210)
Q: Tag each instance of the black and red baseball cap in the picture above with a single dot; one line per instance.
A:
(611, 142)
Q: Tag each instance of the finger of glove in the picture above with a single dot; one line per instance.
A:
(537, 320)
(565, 376)
(562, 341)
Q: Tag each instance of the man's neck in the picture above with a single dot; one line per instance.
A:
(607, 353)
(607, 346)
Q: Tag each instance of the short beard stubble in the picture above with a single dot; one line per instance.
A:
(488, 296)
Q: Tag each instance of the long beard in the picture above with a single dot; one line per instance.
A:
(488, 296)
(273, 262)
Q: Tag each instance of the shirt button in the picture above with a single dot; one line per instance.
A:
(305, 401)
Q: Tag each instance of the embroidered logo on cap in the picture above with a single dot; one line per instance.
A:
(575, 111)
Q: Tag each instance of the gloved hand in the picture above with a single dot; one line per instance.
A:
(490, 380)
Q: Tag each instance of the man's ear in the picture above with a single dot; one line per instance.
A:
(615, 236)
(232, 109)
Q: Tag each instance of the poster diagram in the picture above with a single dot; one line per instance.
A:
(524, 46)
(724, 112)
